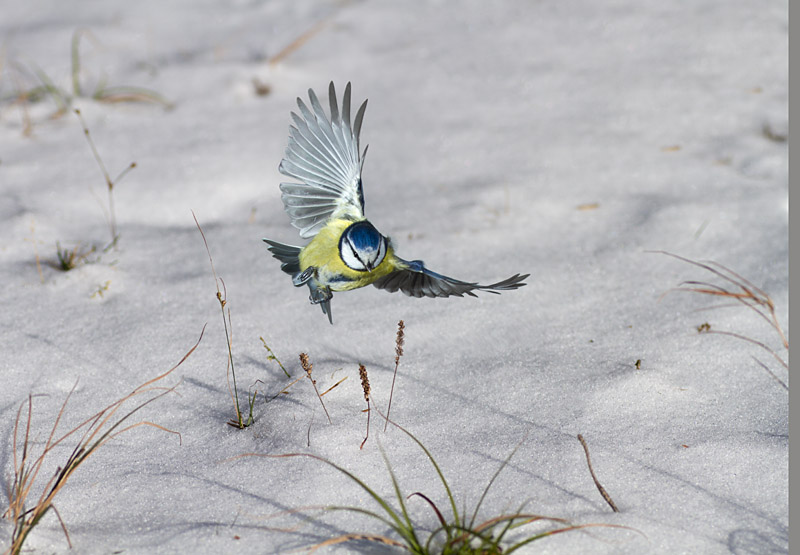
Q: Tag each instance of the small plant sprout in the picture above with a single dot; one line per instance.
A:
(271, 356)
(230, 371)
(739, 291)
(69, 259)
(362, 373)
(93, 433)
(101, 289)
(398, 350)
(110, 214)
(308, 367)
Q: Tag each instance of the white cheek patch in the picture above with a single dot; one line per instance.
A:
(350, 258)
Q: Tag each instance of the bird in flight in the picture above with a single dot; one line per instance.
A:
(327, 205)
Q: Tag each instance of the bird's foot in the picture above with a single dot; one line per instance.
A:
(319, 294)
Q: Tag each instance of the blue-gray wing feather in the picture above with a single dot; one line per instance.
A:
(323, 154)
(415, 280)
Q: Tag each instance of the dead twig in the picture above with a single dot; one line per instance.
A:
(600, 488)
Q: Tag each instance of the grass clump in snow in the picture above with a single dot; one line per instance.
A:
(239, 421)
(69, 259)
(63, 97)
(461, 533)
(740, 291)
(94, 432)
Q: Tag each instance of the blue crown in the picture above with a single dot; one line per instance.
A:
(363, 236)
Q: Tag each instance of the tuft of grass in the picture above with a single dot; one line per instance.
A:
(63, 98)
(94, 432)
(222, 296)
(102, 92)
(69, 259)
(740, 292)
(460, 534)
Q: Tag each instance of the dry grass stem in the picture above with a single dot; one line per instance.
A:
(21, 99)
(285, 390)
(308, 367)
(222, 296)
(299, 41)
(600, 488)
(358, 537)
(771, 373)
(740, 291)
(110, 214)
(334, 386)
(398, 350)
(94, 431)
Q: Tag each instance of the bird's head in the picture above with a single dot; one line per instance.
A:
(362, 247)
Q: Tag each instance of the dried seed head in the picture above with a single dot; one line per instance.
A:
(307, 366)
(400, 340)
(362, 372)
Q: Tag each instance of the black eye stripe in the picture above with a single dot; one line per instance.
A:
(355, 253)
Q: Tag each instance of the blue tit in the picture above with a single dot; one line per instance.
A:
(327, 205)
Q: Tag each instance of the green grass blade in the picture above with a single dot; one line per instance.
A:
(378, 499)
(491, 481)
(76, 62)
(410, 535)
(456, 517)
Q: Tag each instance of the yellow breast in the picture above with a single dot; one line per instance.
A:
(323, 253)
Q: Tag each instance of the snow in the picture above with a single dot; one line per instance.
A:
(560, 139)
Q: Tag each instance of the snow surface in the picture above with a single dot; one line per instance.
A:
(490, 125)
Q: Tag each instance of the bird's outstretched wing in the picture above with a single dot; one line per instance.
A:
(415, 280)
(323, 154)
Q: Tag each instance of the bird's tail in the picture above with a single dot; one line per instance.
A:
(290, 263)
(287, 254)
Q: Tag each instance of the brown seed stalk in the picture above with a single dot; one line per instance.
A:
(398, 349)
(362, 372)
(308, 367)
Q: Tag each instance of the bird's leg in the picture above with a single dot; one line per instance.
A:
(319, 293)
